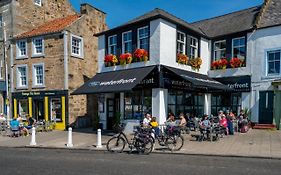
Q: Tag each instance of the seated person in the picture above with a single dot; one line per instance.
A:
(205, 123)
(223, 123)
(171, 120)
(30, 122)
(2, 118)
(15, 126)
(146, 120)
(182, 121)
(154, 125)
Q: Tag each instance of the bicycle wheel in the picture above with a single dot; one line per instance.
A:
(144, 146)
(175, 143)
(116, 144)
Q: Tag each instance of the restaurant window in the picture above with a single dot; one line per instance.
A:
(219, 49)
(180, 101)
(143, 38)
(127, 42)
(239, 48)
(137, 103)
(112, 44)
(180, 42)
(223, 102)
(56, 110)
(23, 107)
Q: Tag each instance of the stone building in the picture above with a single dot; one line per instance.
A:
(18, 16)
(52, 60)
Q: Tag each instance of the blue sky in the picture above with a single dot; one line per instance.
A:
(121, 11)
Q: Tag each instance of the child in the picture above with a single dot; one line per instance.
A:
(154, 125)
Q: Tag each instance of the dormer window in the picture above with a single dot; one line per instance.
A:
(127, 42)
(143, 38)
(38, 2)
(193, 47)
(239, 48)
(181, 42)
(112, 44)
(219, 49)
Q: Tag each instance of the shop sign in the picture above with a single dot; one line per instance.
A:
(112, 82)
(39, 93)
(179, 84)
(238, 84)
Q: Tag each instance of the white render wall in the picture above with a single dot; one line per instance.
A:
(160, 104)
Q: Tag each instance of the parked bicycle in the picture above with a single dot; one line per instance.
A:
(140, 141)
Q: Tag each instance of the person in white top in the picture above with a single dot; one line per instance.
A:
(2, 118)
(146, 120)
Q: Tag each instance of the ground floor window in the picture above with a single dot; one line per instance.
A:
(186, 102)
(226, 101)
(56, 109)
(137, 103)
(23, 107)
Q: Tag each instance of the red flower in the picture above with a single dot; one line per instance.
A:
(140, 53)
(235, 62)
(125, 56)
(110, 59)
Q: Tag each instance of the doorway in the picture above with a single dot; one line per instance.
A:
(110, 111)
(38, 109)
(266, 107)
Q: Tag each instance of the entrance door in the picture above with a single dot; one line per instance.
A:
(110, 113)
(266, 107)
(38, 109)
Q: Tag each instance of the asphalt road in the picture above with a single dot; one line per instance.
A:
(67, 162)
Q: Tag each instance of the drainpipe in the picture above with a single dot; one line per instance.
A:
(65, 58)
(6, 74)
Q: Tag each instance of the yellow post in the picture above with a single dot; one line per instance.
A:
(46, 109)
(63, 109)
(30, 106)
(15, 108)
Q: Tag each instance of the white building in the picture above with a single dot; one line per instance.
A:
(167, 83)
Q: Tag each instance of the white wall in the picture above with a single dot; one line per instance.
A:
(160, 104)
(101, 52)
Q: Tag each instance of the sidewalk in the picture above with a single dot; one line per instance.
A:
(255, 143)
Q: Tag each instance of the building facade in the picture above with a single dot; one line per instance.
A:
(50, 61)
(240, 50)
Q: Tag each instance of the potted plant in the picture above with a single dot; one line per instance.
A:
(125, 58)
(235, 62)
(196, 63)
(182, 58)
(110, 60)
(222, 63)
(141, 55)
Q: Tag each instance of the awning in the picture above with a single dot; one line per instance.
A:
(115, 81)
(199, 80)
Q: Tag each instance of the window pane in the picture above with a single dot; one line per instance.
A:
(56, 109)
(277, 67)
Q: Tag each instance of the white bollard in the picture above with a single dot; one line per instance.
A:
(99, 139)
(69, 140)
(33, 140)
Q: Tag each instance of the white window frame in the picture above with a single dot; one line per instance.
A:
(34, 54)
(19, 56)
(214, 54)
(146, 37)
(81, 46)
(123, 43)
(195, 47)
(266, 63)
(34, 78)
(1, 68)
(38, 2)
(232, 46)
(182, 42)
(112, 45)
(19, 85)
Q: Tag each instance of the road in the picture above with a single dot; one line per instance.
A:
(77, 162)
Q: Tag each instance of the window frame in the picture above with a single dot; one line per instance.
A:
(214, 51)
(267, 64)
(232, 46)
(38, 3)
(193, 46)
(2, 73)
(182, 42)
(34, 75)
(123, 43)
(114, 45)
(81, 46)
(139, 38)
(19, 86)
(34, 47)
(19, 49)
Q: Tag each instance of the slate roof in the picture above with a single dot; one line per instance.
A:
(154, 14)
(53, 26)
(272, 14)
(229, 23)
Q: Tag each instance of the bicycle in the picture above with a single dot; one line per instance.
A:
(142, 143)
(4, 128)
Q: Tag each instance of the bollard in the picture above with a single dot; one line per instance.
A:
(33, 140)
(153, 134)
(69, 140)
(99, 139)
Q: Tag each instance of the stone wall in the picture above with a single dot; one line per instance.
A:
(81, 70)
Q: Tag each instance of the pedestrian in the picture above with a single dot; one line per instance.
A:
(230, 118)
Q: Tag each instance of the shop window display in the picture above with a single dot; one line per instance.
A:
(223, 102)
(23, 107)
(56, 110)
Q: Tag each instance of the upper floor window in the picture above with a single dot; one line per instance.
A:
(273, 62)
(22, 49)
(112, 45)
(127, 42)
(38, 74)
(37, 46)
(180, 42)
(38, 2)
(239, 48)
(193, 47)
(1, 21)
(1, 68)
(77, 46)
(143, 38)
(219, 49)
(22, 76)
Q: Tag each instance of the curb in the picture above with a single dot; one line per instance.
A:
(154, 152)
